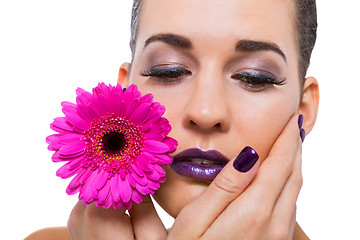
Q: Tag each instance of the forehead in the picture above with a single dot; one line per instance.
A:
(218, 20)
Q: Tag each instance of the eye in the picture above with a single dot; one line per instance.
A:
(167, 74)
(256, 80)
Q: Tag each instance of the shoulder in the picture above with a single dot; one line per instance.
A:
(53, 233)
(299, 233)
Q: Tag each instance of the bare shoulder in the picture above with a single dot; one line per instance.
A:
(53, 233)
(299, 233)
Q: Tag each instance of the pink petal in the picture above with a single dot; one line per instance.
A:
(88, 189)
(72, 148)
(155, 146)
(77, 121)
(143, 161)
(74, 185)
(153, 185)
(136, 196)
(84, 112)
(102, 179)
(140, 114)
(85, 176)
(102, 104)
(116, 105)
(143, 190)
(151, 135)
(127, 205)
(104, 193)
(172, 143)
(76, 163)
(68, 107)
(61, 123)
(70, 138)
(115, 189)
(64, 171)
(148, 98)
(117, 204)
(131, 180)
(163, 159)
(140, 180)
(131, 108)
(137, 170)
(154, 175)
(94, 111)
(125, 190)
(159, 169)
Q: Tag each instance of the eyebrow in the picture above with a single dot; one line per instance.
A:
(253, 46)
(171, 39)
(242, 45)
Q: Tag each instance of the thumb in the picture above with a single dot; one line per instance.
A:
(227, 186)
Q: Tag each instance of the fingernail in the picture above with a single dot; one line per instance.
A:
(245, 160)
(302, 134)
(124, 89)
(300, 121)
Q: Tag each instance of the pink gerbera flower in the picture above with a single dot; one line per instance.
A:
(114, 142)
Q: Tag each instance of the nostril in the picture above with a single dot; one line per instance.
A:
(218, 125)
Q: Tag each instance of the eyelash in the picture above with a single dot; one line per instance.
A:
(251, 81)
(167, 76)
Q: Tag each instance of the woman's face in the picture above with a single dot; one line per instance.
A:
(226, 71)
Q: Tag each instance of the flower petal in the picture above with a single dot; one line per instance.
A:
(61, 123)
(172, 144)
(125, 190)
(77, 121)
(115, 190)
(143, 161)
(104, 193)
(163, 159)
(127, 205)
(155, 146)
(102, 179)
(131, 108)
(140, 180)
(136, 196)
(72, 148)
(140, 114)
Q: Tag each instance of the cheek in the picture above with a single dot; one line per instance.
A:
(259, 120)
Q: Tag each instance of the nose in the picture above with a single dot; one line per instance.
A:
(207, 109)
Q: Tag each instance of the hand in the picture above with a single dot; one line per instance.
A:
(91, 222)
(258, 204)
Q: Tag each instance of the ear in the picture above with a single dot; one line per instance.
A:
(309, 104)
(124, 74)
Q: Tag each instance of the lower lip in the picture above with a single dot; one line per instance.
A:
(198, 171)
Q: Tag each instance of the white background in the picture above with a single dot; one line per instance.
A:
(48, 48)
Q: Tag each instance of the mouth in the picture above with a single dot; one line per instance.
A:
(199, 164)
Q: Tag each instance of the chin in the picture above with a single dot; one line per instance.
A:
(178, 191)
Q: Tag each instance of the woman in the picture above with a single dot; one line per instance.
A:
(230, 75)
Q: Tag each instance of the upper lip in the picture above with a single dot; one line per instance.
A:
(211, 155)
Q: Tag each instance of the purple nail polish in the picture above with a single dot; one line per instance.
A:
(300, 121)
(302, 134)
(245, 160)
(124, 89)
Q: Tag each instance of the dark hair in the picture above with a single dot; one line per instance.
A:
(305, 23)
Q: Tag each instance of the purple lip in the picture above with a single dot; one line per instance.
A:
(182, 163)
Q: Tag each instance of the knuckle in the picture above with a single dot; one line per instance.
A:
(226, 184)
(280, 233)
(260, 215)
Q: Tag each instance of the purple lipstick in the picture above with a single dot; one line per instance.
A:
(199, 164)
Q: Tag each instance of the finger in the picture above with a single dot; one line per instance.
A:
(276, 168)
(146, 222)
(91, 222)
(286, 203)
(227, 186)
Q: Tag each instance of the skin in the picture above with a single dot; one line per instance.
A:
(210, 109)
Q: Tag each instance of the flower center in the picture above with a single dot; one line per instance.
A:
(114, 143)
